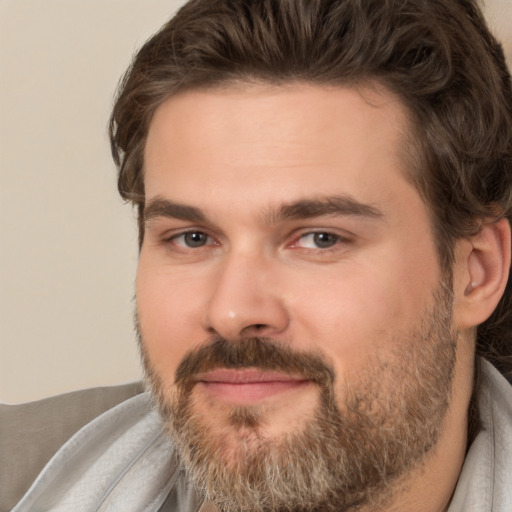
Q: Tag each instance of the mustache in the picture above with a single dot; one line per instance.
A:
(256, 352)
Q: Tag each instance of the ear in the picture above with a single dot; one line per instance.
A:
(481, 270)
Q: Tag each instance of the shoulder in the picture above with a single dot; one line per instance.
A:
(31, 433)
(485, 483)
(497, 419)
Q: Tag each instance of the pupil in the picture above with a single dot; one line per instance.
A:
(195, 239)
(325, 239)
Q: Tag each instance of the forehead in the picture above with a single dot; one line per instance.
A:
(295, 140)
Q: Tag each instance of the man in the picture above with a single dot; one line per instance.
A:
(324, 198)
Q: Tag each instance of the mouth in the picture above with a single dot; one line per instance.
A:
(247, 386)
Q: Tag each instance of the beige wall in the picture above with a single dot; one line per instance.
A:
(499, 14)
(68, 249)
(68, 244)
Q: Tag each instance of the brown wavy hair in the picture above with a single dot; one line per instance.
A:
(438, 56)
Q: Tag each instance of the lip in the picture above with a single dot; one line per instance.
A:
(248, 386)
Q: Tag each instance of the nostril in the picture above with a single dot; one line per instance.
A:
(254, 329)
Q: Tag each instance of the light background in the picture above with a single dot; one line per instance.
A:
(68, 244)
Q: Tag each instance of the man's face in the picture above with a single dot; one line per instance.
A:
(290, 303)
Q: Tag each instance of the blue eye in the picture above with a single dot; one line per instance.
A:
(192, 239)
(319, 240)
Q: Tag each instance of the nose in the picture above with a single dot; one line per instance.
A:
(245, 301)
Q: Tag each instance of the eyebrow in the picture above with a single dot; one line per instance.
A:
(159, 207)
(317, 207)
(296, 210)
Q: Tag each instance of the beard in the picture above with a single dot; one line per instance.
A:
(349, 454)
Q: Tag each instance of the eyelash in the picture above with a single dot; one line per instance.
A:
(335, 240)
(183, 234)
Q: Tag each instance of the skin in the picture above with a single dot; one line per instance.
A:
(237, 156)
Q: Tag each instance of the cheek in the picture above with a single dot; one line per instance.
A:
(167, 309)
(344, 320)
(361, 308)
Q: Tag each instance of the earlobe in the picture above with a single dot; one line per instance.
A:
(483, 270)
